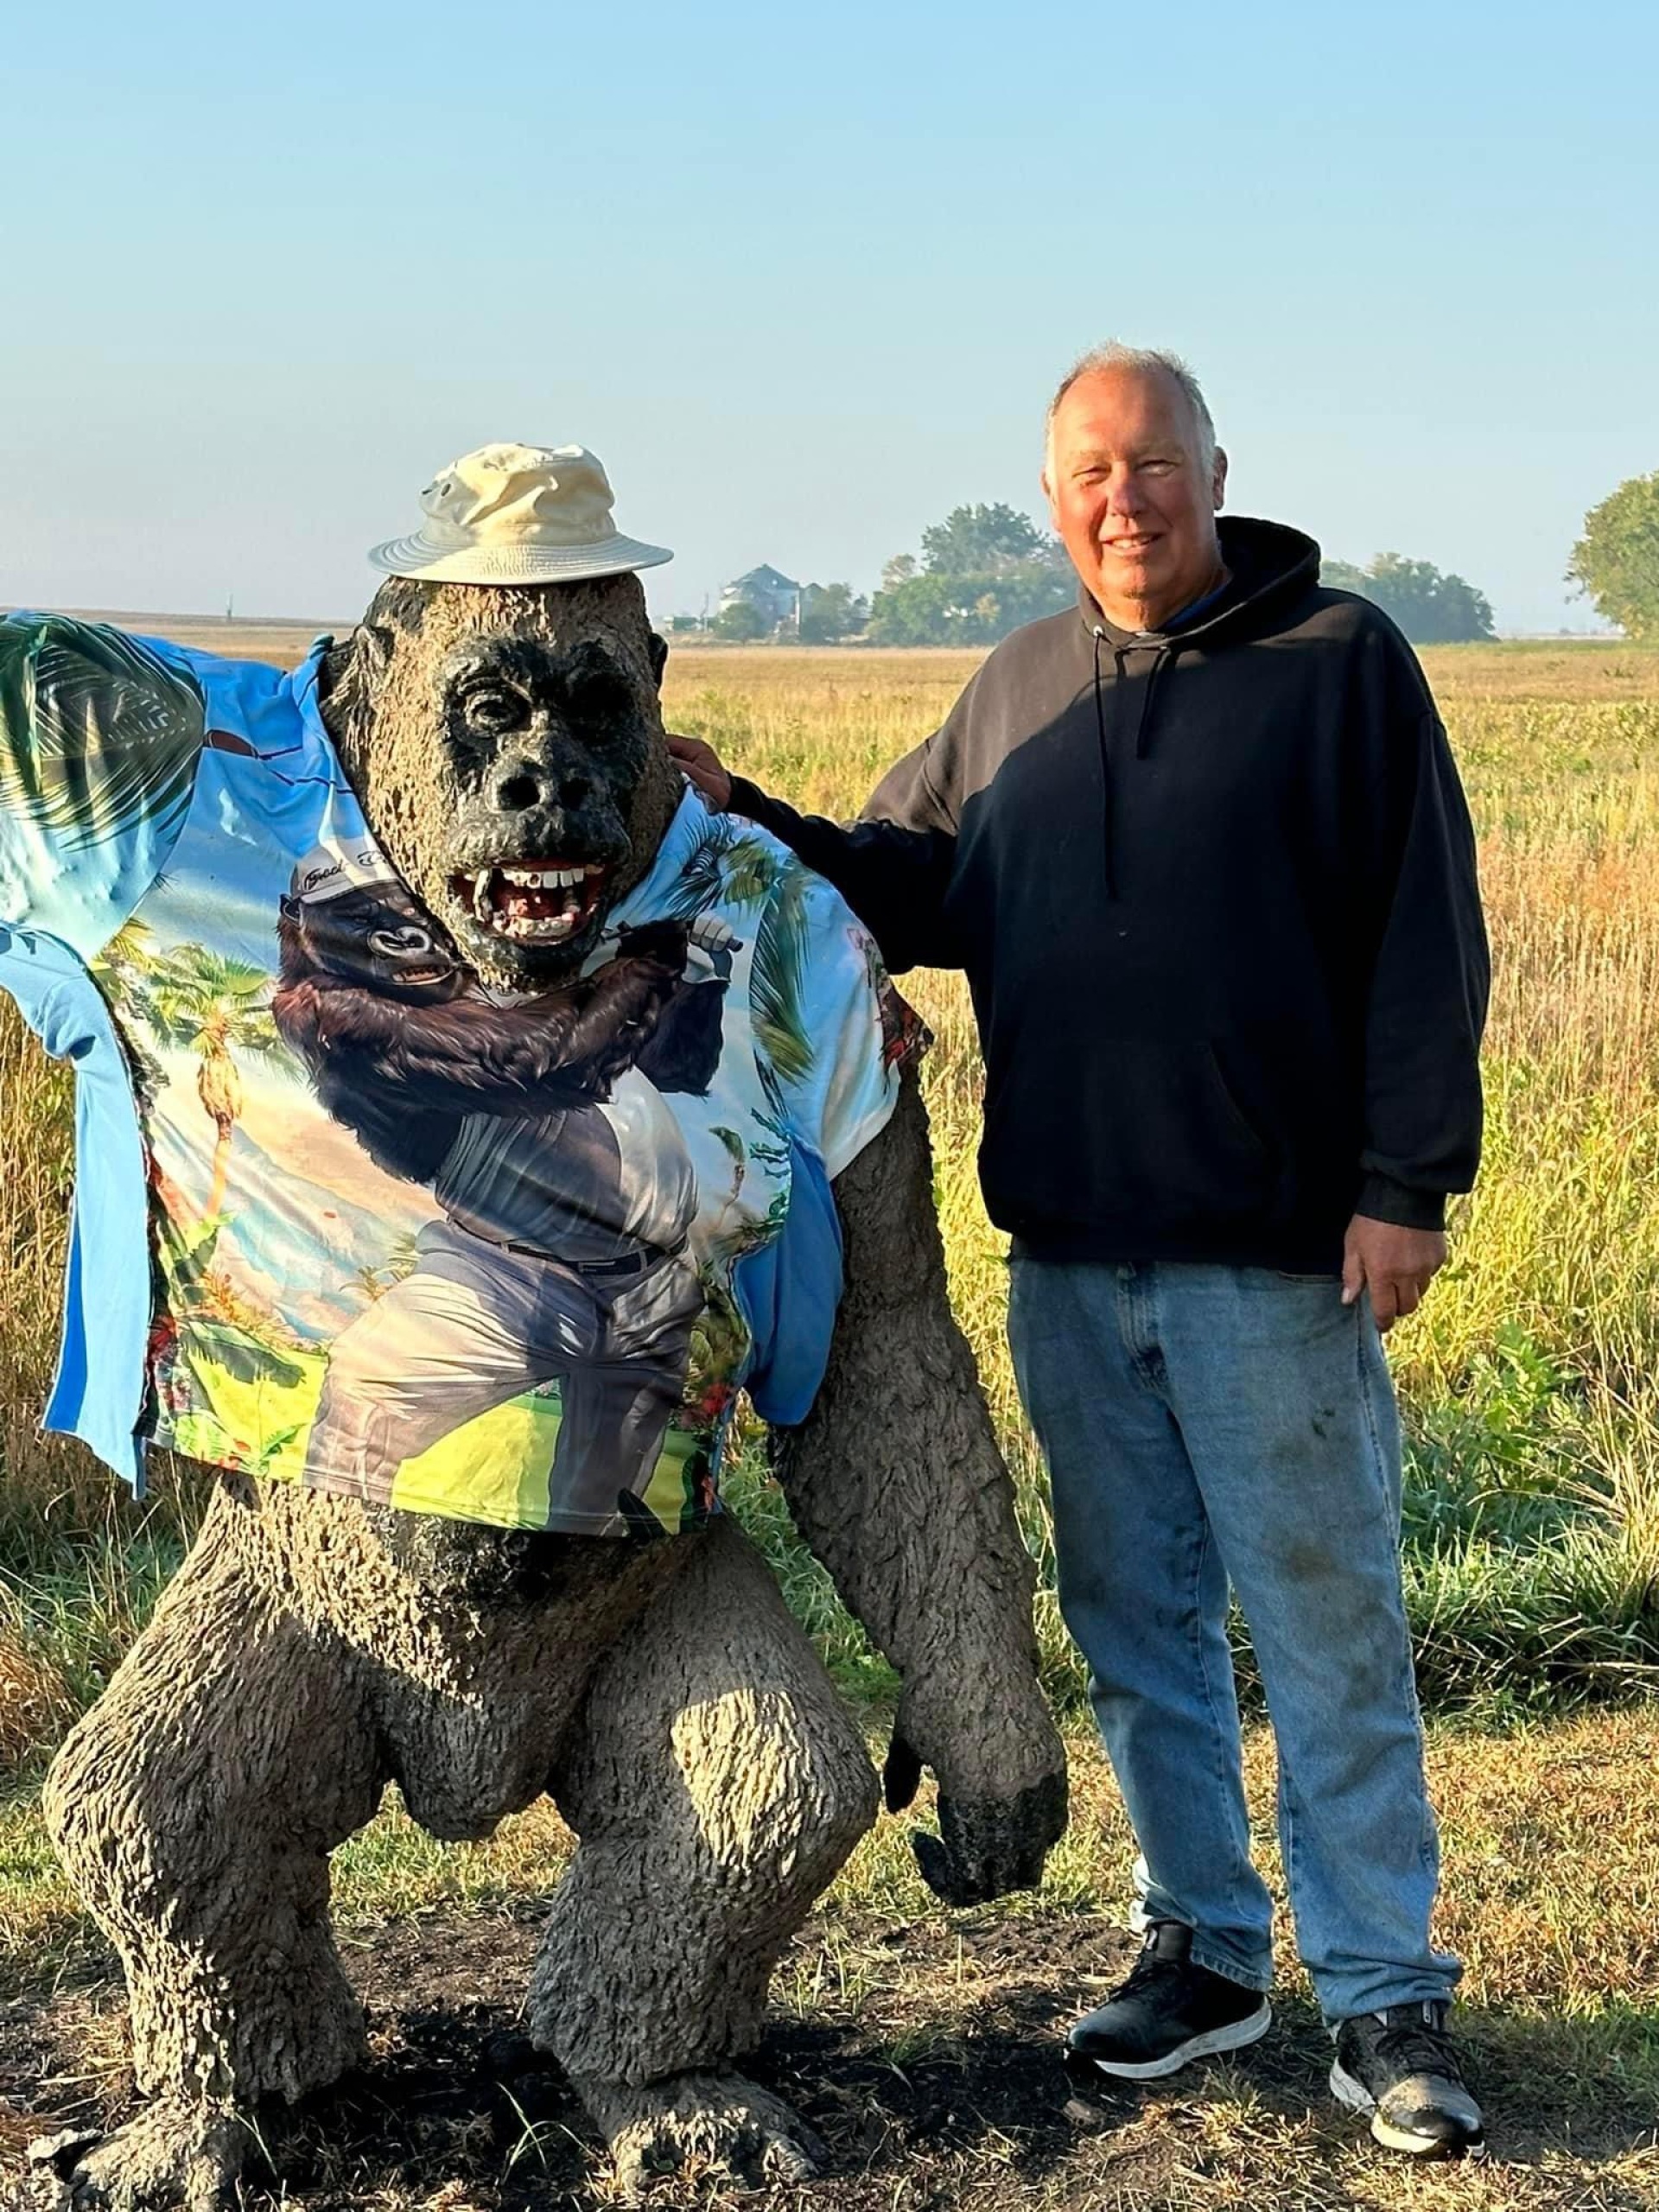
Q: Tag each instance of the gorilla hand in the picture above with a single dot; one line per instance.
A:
(664, 943)
(991, 1840)
(626, 999)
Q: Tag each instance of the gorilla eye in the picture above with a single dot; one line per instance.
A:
(492, 708)
(602, 697)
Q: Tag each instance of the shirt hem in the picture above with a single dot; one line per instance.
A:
(1312, 1254)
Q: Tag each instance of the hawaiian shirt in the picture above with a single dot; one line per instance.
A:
(343, 1240)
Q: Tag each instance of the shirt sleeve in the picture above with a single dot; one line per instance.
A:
(100, 734)
(895, 867)
(1431, 975)
(823, 1013)
(1428, 1006)
(895, 880)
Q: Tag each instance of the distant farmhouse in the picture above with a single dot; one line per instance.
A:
(774, 597)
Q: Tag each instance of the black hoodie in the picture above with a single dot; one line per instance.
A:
(1214, 891)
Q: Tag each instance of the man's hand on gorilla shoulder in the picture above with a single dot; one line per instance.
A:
(704, 769)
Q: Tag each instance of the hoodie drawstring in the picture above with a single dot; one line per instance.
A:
(1105, 769)
(1164, 654)
(1144, 727)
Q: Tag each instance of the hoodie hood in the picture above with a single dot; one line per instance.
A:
(1269, 564)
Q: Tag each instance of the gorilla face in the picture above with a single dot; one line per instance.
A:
(548, 750)
(507, 748)
(378, 939)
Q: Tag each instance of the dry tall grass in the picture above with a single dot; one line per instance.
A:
(1531, 1365)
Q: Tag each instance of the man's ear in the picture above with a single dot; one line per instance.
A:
(658, 658)
(1218, 480)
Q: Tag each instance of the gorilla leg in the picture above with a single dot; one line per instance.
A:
(194, 1808)
(717, 1786)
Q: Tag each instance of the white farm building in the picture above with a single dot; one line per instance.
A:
(774, 595)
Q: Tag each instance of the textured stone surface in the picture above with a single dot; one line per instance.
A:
(312, 1649)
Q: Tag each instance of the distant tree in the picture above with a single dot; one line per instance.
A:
(984, 570)
(828, 611)
(1432, 608)
(1616, 560)
(982, 541)
(929, 610)
(1343, 576)
(741, 622)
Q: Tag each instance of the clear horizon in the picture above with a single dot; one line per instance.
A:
(806, 289)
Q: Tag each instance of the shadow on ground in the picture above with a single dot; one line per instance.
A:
(937, 2084)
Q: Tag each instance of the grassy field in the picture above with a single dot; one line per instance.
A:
(1533, 1569)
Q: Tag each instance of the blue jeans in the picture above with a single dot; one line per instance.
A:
(1207, 1426)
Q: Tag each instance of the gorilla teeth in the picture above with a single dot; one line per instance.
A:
(514, 900)
(544, 931)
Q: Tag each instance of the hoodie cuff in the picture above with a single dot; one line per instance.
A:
(1381, 1198)
(748, 800)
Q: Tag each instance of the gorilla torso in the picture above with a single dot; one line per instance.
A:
(506, 748)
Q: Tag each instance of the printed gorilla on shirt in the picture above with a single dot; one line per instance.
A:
(503, 1257)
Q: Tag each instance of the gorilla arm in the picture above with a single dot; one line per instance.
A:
(470, 1055)
(895, 1480)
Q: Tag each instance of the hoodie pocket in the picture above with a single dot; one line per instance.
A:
(1151, 1134)
(1243, 1128)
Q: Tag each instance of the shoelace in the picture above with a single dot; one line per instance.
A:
(1150, 1969)
(1417, 2046)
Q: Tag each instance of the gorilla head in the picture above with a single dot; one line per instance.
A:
(374, 936)
(507, 746)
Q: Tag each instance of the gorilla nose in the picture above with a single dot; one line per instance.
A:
(519, 793)
(526, 784)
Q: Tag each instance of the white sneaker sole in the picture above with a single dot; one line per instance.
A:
(1247, 2031)
(1357, 2098)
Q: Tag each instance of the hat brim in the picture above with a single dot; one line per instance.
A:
(514, 564)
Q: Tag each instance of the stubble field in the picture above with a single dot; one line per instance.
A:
(920, 2040)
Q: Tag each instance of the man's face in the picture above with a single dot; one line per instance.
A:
(1130, 498)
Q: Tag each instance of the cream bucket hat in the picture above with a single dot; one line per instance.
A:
(518, 515)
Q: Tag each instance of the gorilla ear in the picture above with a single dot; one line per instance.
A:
(372, 643)
(658, 658)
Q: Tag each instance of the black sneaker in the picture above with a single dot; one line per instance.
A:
(1167, 2012)
(1400, 2067)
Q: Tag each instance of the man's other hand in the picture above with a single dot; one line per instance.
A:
(702, 765)
(1395, 1265)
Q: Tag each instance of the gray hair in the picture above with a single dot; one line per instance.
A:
(1144, 358)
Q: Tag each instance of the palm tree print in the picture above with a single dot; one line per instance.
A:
(103, 734)
(215, 1007)
(731, 869)
(781, 944)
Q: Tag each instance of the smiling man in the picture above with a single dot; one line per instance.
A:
(1200, 846)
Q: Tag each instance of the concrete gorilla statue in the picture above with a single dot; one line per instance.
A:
(314, 1648)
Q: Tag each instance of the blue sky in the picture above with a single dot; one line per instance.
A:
(804, 277)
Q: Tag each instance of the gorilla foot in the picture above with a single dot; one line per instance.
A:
(173, 2154)
(690, 2121)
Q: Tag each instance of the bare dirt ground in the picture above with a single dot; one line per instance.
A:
(941, 2087)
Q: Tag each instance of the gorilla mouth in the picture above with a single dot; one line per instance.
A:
(539, 903)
